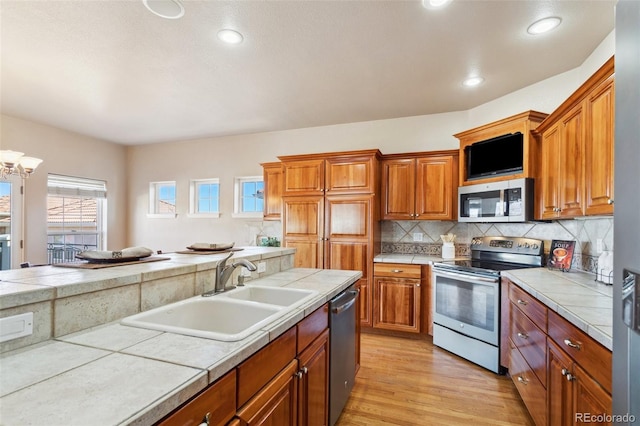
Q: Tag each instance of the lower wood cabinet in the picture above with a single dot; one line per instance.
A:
(313, 387)
(215, 405)
(397, 297)
(562, 374)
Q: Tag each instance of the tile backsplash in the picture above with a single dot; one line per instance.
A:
(398, 236)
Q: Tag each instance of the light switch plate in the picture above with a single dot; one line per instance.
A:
(16, 326)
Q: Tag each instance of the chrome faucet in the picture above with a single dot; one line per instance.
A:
(224, 271)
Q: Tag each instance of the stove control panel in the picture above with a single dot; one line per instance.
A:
(508, 245)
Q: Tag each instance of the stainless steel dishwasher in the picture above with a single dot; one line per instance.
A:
(342, 341)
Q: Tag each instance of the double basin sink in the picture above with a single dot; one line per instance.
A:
(228, 316)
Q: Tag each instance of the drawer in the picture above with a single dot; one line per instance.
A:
(532, 392)
(531, 307)
(396, 270)
(312, 326)
(531, 342)
(591, 355)
(258, 370)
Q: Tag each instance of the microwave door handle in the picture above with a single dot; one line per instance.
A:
(503, 205)
(467, 278)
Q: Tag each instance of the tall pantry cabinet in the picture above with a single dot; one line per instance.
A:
(330, 213)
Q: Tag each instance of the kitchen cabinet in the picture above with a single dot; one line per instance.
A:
(273, 187)
(521, 123)
(397, 297)
(421, 186)
(560, 372)
(576, 144)
(313, 373)
(215, 405)
(330, 213)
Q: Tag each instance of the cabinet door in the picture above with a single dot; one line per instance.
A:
(599, 112)
(559, 386)
(273, 186)
(276, 403)
(303, 219)
(216, 405)
(571, 163)
(589, 398)
(366, 319)
(396, 304)
(351, 174)
(436, 188)
(304, 177)
(313, 388)
(549, 200)
(398, 189)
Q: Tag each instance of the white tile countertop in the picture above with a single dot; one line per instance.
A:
(115, 375)
(574, 295)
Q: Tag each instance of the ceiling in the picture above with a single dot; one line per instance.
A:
(113, 70)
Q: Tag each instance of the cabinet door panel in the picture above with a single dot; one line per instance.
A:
(303, 229)
(559, 389)
(304, 177)
(599, 149)
(549, 187)
(435, 188)
(313, 390)
(589, 398)
(348, 217)
(398, 189)
(571, 163)
(397, 304)
(349, 175)
(273, 187)
(365, 303)
(308, 253)
(349, 256)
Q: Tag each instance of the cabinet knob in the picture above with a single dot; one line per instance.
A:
(571, 344)
(522, 302)
(609, 201)
(523, 335)
(523, 380)
(570, 377)
(417, 285)
(205, 420)
(305, 370)
(299, 374)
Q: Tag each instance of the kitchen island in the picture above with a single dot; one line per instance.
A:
(110, 374)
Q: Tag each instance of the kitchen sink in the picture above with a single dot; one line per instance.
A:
(229, 316)
(278, 296)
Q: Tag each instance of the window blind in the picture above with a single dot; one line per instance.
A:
(71, 186)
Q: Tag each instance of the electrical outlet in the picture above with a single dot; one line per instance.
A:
(262, 267)
(599, 245)
(245, 272)
(417, 236)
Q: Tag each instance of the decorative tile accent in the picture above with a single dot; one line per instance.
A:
(397, 236)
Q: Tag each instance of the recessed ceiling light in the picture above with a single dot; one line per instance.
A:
(544, 25)
(230, 36)
(434, 3)
(169, 9)
(472, 81)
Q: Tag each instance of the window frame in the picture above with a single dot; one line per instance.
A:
(194, 201)
(237, 198)
(154, 188)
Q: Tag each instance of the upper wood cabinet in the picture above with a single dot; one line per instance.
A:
(273, 188)
(420, 186)
(577, 153)
(331, 173)
(523, 123)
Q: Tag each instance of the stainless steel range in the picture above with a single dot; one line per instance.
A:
(466, 295)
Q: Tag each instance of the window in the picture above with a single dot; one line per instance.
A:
(204, 197)
(76, 210)
(162, 199)
(249, 196)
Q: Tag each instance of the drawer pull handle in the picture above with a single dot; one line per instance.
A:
(571, 344)
(397, 271)
(205, 420)
(522, 302)
(523, 335)
(523, 380)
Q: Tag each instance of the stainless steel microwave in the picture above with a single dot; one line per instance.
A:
(504, 201)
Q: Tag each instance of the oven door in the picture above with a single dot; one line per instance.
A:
(468, 304)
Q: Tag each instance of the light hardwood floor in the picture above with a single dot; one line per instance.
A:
(411, 382)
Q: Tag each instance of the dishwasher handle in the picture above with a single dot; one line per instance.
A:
(346, 305)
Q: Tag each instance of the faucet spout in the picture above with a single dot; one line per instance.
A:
(224, 272)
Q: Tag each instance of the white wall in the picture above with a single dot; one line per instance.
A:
(70, 154)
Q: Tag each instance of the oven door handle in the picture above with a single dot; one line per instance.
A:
(465, 277)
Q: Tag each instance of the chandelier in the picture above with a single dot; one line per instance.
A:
(15, 163)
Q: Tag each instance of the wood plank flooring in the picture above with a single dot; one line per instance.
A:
(412, 382)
